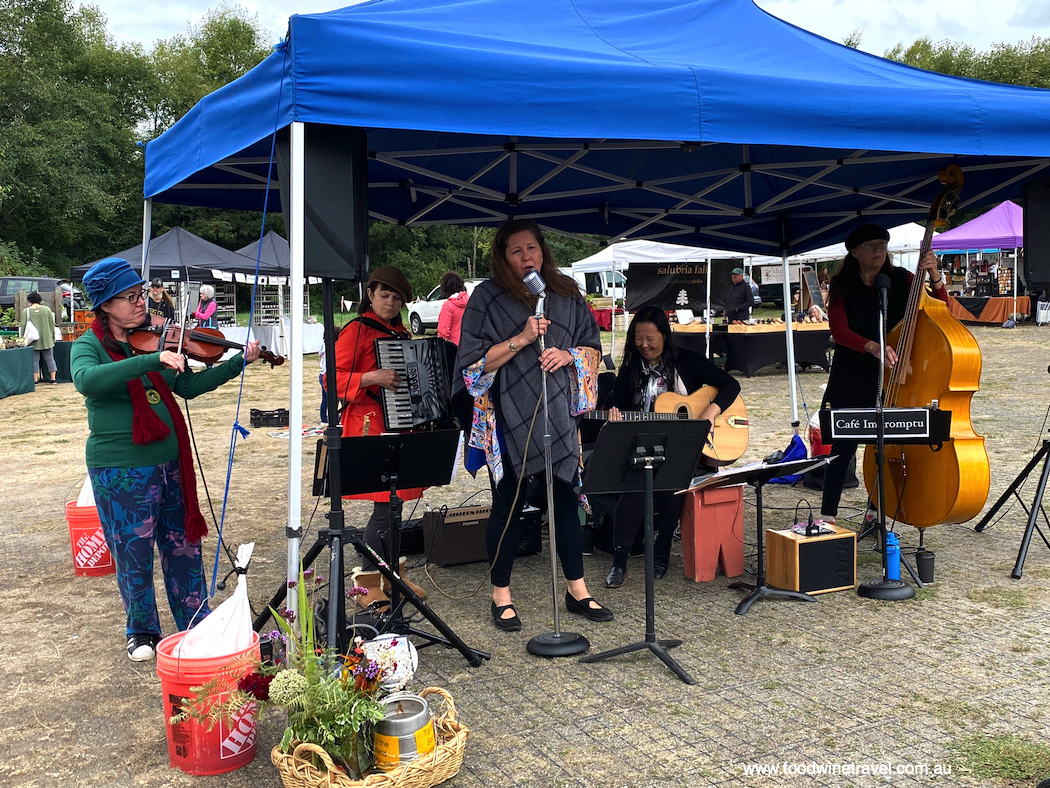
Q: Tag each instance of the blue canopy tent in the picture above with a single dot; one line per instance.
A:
(710, 123)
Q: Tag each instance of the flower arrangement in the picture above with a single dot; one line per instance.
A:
(330, 699)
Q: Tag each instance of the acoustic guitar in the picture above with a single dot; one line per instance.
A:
(727, 440)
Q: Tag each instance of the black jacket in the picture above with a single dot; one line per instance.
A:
(738, 301)
(696, 371)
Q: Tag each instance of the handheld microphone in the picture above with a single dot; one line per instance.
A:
(882, 285)
(535, 284)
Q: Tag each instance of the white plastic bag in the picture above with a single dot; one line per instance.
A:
(228, 630)
(87, 494)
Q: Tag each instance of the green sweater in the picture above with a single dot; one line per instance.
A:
(103, 382)
(44, 320)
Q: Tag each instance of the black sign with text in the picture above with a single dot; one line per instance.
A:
(679, 285)
(860, 424)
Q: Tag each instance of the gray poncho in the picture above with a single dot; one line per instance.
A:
(493, 316)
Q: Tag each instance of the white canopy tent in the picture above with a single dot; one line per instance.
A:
(618, 256)
(905, 241)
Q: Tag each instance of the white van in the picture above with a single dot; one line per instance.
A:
(612, 284)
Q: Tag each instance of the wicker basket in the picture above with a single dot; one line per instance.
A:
(297, 770)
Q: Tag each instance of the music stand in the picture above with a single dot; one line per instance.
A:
(387, 463)
(1043, 456)
(756, 475)
(633, 456)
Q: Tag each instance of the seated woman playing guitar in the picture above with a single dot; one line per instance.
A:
(652, 366)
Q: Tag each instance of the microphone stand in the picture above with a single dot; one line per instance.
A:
(885, 589)
(556, 643)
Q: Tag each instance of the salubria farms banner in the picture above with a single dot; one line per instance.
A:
(679, 285)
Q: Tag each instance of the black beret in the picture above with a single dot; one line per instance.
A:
(865, 233)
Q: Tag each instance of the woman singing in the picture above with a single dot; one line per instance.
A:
(503, 364)
(853, 312)
(652, 366)
(139, 457)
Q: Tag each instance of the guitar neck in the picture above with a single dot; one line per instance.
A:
(633, 415)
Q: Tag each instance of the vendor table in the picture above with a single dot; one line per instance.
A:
(16, 371)
(270, 337)
(604, 317)
(988, 310)
(750, 348)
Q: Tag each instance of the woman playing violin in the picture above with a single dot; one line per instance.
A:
(853, 312)
(139, 457)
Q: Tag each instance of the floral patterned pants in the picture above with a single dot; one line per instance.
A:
(139, 507)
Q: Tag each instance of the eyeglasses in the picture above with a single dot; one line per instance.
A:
(874, 246)
(131, 298)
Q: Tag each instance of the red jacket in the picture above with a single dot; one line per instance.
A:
(450, 320)
(354, 356)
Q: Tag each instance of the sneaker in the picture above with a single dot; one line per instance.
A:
(142, 646)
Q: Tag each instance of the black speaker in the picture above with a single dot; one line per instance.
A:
(335, 233)
(1037, 233)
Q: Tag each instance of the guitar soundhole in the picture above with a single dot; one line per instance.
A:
(682, 413)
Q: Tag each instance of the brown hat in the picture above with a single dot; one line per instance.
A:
(392, 278)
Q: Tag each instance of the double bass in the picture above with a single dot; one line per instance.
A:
(939, 360)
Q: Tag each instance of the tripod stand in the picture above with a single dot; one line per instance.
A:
(628, 455)
(386, 463)
(1043, 455)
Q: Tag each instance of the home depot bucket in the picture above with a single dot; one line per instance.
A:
(817, 447)
(192, 747)
(91, 556)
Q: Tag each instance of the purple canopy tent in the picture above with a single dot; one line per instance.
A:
(1000, 228)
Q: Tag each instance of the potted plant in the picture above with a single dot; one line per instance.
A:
(330, 700)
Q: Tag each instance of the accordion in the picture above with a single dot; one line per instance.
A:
(423, 395)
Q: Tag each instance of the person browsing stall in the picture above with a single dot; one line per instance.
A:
(139, 457)
(652, 366)
(502, 366)
(358, 381)
(853, 314)
(206, 308)
(450, 319)
(159, 303)
(739, 299)
(43, 320)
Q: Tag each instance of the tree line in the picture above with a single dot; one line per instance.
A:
(76, 108)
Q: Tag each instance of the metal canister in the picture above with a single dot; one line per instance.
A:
(405, 733)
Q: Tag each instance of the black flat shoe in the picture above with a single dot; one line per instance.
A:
(659, 569)
(512, 624)
(615, 577)
(582, 607)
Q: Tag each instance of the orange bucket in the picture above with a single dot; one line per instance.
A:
(817, 447)
(91, 556)
(192, 747)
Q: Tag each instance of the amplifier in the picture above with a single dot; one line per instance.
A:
(457, 536)
(812, 564)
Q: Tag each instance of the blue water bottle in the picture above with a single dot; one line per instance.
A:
(893, 557)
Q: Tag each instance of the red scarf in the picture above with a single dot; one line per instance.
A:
(147, 427)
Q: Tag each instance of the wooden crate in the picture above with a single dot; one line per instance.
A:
(812, 564)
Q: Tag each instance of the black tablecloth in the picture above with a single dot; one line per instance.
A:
(749, 353)
(16, 371)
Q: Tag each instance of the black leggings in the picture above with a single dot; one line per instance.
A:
(630, 515)
(566, 520)
(835, 475)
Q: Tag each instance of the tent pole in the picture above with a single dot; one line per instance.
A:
(1016, 259)
(295, 357)
(707, 311)
(147, 227)
(789, 338)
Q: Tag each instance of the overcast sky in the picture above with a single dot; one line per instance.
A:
(883, 23)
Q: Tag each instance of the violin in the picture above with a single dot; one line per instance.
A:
(205, 345)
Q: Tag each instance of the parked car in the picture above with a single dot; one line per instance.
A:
(423, 312)
(10, 285)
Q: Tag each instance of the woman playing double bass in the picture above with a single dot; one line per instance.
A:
(853, 312)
